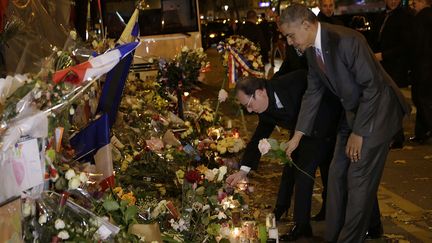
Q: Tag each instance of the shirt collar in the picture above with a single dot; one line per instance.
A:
(317, 43)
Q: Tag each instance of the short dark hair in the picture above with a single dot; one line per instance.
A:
(297, 12)
(249, 85)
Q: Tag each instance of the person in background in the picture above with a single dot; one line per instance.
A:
(265, 28)
(254, 33)
(422, 70)
(277, 102)
(392, 48)
(326, 14)
(341, 61)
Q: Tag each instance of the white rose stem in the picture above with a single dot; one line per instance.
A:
(218, 101)
(304, 172)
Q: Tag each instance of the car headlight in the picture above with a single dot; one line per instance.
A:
(212, 35)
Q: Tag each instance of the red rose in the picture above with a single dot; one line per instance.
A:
(193, 176)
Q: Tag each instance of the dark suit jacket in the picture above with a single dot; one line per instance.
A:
(393, 41)
(289, 89)
(373, 104)
(422, 58)
(254, 33)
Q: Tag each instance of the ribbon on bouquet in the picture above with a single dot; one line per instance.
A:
(237, 62)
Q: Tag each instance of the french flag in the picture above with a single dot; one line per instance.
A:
(93, 142)
(95, 67)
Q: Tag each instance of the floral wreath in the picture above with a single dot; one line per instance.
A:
(242, 58)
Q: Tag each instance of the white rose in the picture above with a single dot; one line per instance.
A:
(74, 183)
(205, 207)
(26, 209)
(221, 215)
(222, 173)
(223, 95)
(69, 174)
(59, 224)
(42, 219)
(73, 34)
(185, 49)
(264, 146)
(64, 235)
(209, 175)
(83, 177)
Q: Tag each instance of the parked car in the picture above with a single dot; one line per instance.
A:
(214, 32)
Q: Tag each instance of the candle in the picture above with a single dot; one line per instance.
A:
(229, 124)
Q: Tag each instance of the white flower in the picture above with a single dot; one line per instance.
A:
(185, 49)
(205, 207)
(209, 175)
(26, 209)
(73, 34)
(74, 183)
(264, 146)
(223, 95)
(221, 215)
(69, 174)
(42, 219)
(59, 224)
(64, 235)
(222, 172)
(83, 177)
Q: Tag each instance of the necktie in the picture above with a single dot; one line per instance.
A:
(319, 59)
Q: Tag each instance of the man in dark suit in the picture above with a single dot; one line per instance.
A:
(340, 60)
(393, 34)
(254, 33)
(422, 70)
(277, 102)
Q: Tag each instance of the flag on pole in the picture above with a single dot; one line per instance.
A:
(131, 31)
(95, 67)
(115, 80)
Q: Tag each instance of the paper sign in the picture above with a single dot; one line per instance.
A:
(20, 170)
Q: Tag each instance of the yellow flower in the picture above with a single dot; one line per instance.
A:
(180, 175)
(130, 198)
(119, 191)
(202, 169)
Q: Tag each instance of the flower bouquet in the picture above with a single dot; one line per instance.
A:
(56, 218)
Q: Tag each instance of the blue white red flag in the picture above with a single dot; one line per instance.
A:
(95, 67)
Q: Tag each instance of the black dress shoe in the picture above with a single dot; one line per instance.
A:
(319, 216)
(375, 232)
(298, 231)
(279, 211)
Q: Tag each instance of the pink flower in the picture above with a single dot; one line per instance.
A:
(264, 146)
